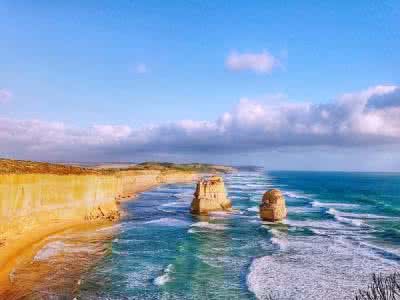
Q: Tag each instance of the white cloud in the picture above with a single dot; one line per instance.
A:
(365, 118)
(262, 62)
(5, 95)
(141, 69)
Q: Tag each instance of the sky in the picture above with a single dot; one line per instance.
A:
(302, 85)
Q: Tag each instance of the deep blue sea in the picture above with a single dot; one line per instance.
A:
(341, 228)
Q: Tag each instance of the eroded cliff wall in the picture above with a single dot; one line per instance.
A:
(35, 205)
(210, 196)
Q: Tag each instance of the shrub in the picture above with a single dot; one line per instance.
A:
(383, 287)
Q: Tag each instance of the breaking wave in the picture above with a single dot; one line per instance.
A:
(323, 268)
(165, 277)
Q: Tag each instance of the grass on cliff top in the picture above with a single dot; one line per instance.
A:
(9, 166)
(193, 167)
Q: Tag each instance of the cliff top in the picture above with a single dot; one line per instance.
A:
(192, 167)
(211, 180)
(9, 166)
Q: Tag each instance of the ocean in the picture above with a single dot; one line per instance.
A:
(341, 228)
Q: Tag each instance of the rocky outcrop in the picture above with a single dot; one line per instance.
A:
(210, 196)
(273, 206)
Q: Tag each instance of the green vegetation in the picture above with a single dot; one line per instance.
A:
(9, 166)
(192, 167)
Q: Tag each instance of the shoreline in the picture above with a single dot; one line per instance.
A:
(27, 248)
(20, 248)
(26, 273)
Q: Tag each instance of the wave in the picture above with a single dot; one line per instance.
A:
(215, 215)
(206, 225)
(109, 228)
(140, 275)
(354, 222)
(256, 198)
(254, 208)
(157, 193)
(127, 241)
(184, 195)
(385, 251)
(307, 263)
(279, 239)
(241, 187)
(336, 213)
(333, 204)
(336, 232)
(176, 204)
(237, 197)
(57, 247)
(168, 222)
(263, 186)
(49, 250)
(301, 210)
(329, 225)
(296, 195)
(120, 253)
(165, 277)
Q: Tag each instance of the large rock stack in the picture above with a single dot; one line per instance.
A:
(210, 196)
(273, 207)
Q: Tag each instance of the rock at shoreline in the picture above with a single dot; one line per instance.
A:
(210, 195)
(273, 207)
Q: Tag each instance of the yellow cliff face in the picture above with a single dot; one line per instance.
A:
(23, 195)
(33, 206)
(210, 196)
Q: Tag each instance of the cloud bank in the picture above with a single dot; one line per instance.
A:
(366, 118)
(262, 62)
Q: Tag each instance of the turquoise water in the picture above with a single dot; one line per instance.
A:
(341, 227)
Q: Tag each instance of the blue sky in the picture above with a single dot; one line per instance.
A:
(142, 63)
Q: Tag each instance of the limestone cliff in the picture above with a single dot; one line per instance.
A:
(210, 195)
(273, 206)
(45, 199)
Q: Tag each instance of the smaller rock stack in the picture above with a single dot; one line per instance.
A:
(273, 207)
(210, 195)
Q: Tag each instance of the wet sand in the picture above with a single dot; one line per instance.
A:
(56, 263)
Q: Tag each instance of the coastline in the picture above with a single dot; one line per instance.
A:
(26, 271)
(36, 206)
(26, 247)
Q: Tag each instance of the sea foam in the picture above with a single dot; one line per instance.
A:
(254, 208)
(165, 277)
(211, 226)
(321, 268)
(296, 195)
(316, 203)
(49, 250)
(168, 222)
(279, 239)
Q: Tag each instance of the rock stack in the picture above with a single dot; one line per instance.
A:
(210, 195)
(273, 207)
